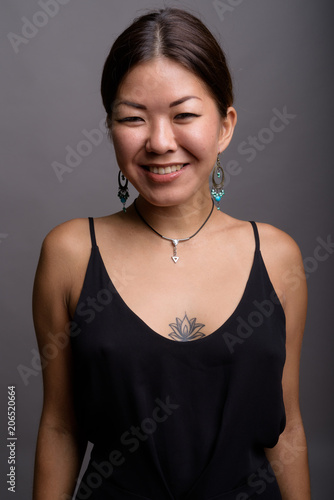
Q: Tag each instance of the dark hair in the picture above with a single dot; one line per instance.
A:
(177, 35)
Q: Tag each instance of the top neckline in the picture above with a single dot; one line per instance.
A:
(155, 334)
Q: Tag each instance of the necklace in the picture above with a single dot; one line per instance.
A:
(175, 241)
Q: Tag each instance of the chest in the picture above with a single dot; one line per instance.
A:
(182, 301)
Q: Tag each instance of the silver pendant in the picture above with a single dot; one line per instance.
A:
(175, 258)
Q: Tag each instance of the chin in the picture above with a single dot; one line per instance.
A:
(197, 200)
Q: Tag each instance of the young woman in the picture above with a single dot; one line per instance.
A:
(177, 328)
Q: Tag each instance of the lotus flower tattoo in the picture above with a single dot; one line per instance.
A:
(186, 329)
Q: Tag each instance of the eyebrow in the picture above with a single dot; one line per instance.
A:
(172, 104)
(183, 99)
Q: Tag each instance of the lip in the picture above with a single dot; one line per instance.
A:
(162, 178)
(164, 165)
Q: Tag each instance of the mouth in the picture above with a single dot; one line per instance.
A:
(155, 169)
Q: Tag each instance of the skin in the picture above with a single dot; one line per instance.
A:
(149, 128)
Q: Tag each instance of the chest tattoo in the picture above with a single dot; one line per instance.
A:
(186, 329)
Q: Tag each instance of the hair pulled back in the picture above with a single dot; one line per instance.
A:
(177, 35)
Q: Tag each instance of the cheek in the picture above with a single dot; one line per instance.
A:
(201, 141)
(126, 143)
(207, 130)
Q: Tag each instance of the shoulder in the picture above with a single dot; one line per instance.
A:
(284, 263)
(67, 236)
(65, 246)
(275, 242)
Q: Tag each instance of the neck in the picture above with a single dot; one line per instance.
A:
(178, 221)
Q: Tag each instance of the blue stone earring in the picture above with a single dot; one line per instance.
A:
(123, 191)
(217, 191)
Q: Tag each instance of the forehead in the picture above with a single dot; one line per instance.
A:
(161, 78)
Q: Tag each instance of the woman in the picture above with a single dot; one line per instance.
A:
(175, 319)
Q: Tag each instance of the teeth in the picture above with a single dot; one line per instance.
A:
(166, 170)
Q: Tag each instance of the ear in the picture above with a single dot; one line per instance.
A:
(227, 128)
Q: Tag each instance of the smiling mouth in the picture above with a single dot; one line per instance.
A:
(165, 170)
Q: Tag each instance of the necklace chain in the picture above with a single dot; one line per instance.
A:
(175, 241)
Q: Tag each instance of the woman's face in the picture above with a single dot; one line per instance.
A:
(167, 132)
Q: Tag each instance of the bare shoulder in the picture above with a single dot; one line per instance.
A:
(277, 244)
(67, 237)
(65, 252)
(67, 242)
(284, 263)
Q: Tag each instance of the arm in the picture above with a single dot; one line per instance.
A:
(289, 457)
(60, 449)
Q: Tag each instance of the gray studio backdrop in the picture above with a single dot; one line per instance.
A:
(57, 164)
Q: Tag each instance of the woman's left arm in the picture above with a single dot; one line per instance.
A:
(289, 457)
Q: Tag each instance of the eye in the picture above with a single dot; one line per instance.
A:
(130, 119)
(185, 116)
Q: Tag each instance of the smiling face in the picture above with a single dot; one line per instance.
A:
(167, 132)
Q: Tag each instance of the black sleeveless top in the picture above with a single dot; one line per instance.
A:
(178, 420)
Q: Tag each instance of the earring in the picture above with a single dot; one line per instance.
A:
(123, 191)
(217, 190)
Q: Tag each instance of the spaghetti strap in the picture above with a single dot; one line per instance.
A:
(256, 235)
(92, 231)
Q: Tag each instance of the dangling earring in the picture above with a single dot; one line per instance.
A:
(123, 191)
(217, 190)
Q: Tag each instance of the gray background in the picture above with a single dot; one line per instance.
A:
(280, 53)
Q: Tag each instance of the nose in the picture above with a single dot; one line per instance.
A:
(161, 138)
